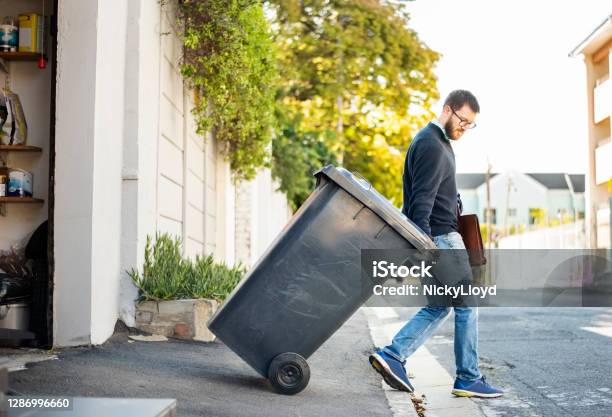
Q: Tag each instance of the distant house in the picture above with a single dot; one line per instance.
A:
(595, 50)
(523, 199)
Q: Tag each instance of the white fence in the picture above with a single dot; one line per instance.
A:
(567, 236)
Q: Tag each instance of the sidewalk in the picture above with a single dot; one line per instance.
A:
(207, 379)
(429, 378)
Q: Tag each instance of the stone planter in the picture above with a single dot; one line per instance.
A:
(183, 319)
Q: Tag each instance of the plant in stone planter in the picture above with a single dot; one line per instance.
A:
(166, 275)
(210, 280)
(176, 295)
(164, 272)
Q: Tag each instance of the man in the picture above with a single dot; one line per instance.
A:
(430, 201)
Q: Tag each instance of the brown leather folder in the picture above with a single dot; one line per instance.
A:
(469, 228)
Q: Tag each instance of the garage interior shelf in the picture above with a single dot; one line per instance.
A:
(20, 56)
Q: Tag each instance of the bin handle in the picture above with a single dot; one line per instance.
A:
(362, 178)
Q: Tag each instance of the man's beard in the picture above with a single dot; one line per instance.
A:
(450, 133)
(448, 129)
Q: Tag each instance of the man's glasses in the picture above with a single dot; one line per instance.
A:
(464, 123)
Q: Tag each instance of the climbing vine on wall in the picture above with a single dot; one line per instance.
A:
(229, 58)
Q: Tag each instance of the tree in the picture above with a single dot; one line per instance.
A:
(296, 155)
(357, 74)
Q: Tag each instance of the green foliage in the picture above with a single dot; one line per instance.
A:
(350, 81)
(296, 155)
(229, 57)
(356, 69)
(167, 275)
(211, 280)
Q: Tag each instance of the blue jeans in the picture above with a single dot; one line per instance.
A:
(424, 323)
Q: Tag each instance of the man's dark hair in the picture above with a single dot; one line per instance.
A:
(456, 99)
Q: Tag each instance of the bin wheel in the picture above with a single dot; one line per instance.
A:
(288, 373)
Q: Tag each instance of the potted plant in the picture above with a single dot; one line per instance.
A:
(178, 295)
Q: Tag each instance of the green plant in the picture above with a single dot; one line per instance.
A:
(357, 69)
(297, 154)
(164, 271)
(210, 280)
(229, 57)
(167, 275)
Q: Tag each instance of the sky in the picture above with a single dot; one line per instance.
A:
(513, 55)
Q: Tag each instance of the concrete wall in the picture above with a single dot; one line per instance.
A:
(130, 164)
(271, 212)
(89, 135)
(261, 213)
(195, 198)
(140, 145)
(108, 160)
(566, 236)
(174, 180)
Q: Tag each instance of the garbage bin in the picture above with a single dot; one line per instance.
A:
(308, 282)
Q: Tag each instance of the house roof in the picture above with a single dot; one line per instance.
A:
(470, 181)
(596, 38)
(552, 181)
(556, 181)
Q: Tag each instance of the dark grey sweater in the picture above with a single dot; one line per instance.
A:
(430, 189)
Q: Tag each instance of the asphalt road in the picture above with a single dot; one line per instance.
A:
(207, 379)
(553, 362)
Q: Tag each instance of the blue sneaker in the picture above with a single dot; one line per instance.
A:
(478, 388)
(391, 370)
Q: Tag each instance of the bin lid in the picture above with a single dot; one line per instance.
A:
(364, 192)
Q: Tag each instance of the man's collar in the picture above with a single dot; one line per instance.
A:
(437, 123)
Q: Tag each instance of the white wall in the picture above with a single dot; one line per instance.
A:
(271, 213)
(603, 227)
(261, 213)
(140, 146)
(171, 156)
(74, 159)
(108, 160)
(174, 180)
(195, 187)
(126, 141)
(567, 236)
(89, 135)
(195, 197)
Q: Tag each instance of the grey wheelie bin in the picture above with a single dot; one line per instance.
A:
(308, 282)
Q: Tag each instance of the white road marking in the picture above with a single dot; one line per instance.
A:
(603, 331)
